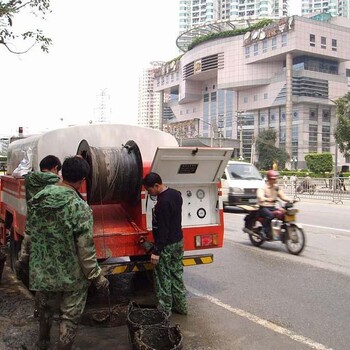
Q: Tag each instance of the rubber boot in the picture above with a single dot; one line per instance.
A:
(45, 323)
(68, 331)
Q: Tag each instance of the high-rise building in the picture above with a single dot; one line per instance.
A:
(334, 7)
(285, 76)
(149, 102)
(196, 12)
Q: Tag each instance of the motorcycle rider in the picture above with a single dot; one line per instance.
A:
(267, 197)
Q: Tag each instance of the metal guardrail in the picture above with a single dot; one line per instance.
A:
(332, 189)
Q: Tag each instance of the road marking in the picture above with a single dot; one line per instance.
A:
(326, 227)
(260, 321)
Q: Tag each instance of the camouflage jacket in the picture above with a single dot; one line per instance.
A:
(34, 182)
(63, 256)
(37, 180)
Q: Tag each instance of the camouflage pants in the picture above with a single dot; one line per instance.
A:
(25, 249)
(168, 279)
(70, 306)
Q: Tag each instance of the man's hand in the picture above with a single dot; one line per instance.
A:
(154, 259)
(101, 282)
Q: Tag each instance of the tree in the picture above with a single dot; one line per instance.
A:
(319, 162)
(342, 129)
(268, 152)
(8, 36)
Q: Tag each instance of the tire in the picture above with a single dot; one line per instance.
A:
(295, 239)
(256, 241)
(312, 189)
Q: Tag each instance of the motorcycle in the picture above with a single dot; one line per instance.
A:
(283, 228)
(310, 188)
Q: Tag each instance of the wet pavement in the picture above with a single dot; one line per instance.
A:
(208, 326)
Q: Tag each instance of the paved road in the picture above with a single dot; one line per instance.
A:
(261, 298)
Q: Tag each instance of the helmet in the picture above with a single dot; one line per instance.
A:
(272, 175)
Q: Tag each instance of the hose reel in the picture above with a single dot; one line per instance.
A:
(115, 173)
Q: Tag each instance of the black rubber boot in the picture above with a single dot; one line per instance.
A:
(45, 323)
(68, 331)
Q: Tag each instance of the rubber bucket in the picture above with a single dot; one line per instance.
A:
(140, 317)
(159, 338)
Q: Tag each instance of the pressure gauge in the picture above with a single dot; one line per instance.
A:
(201, 213)
(200, 194)
(188, 193)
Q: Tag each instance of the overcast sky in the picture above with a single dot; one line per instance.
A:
(98, 45)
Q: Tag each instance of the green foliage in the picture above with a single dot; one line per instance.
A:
(268, 152)
(8, 35)
(263, 23)
(319, 162)
(342, 130)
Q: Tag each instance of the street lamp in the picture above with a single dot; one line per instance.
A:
(294, 161)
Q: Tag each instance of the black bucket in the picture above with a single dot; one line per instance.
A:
(143, 316)
(159, 338)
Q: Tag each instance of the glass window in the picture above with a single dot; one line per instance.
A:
(312, 40)
(245, 99)
(313, 114)
(264, 46)
(326, 115)
(326, 138)
(247, 52)
(266, 95)
(256, 49)
(255, 97)
(312, 138)
(274, 43)
(323, 42)
(284, 39)
(334, 44)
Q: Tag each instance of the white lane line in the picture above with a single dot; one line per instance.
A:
(267, 324)
(327, 228)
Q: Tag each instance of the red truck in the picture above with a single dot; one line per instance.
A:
(119, 156)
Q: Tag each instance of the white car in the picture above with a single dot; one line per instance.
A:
(239, 183)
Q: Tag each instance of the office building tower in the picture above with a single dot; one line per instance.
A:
(195, 12)
(333, 7)
(149, 102)
(285, 75)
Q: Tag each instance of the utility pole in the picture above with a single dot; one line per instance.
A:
(289, 105)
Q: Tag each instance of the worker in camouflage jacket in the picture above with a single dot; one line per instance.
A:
(62, 262)
(34, 182)
(168, 247)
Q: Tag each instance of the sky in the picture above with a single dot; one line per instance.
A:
(97, 45)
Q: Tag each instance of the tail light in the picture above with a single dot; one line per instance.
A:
(209, 240)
